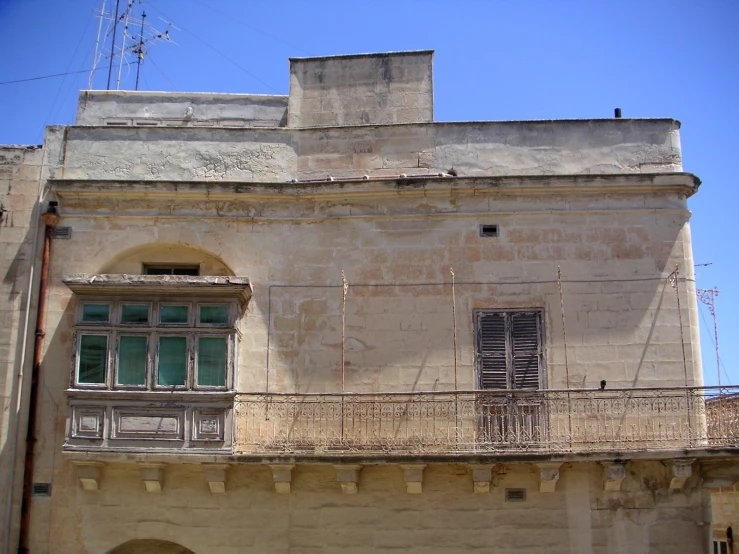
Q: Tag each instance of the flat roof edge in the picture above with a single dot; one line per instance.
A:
(365, 55)
(178, 94)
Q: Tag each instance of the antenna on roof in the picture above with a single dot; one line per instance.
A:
(123, 43)
(128, 45)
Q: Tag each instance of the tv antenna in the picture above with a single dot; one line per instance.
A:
(131, 49)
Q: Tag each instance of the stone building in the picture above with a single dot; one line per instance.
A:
(323, 323)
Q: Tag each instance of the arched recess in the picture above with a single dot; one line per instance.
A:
(150, 546)
(131, 261)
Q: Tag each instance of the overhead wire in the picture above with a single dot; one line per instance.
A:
(252, 75)
(265, 33)
(48, 76)
(69, 65)
(161, 72)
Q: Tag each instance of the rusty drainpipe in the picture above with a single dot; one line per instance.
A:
(51, 218)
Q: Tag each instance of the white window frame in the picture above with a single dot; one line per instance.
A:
(119, 314)
(113, 330)
(116, 360)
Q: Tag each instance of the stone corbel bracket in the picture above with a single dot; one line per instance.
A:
(282, 475)
(215, 475)
(613, 475)
(548, 475)
(413, 477)
(89, 474)
(482, 476)
(348, 477)
(682, 470)
(153, 476)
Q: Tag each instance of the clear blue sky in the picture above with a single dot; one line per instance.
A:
(545, 59)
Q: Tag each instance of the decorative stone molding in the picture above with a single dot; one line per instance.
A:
(413, 477)
(89, 474)
(152, 475)
(482, 475)
(719, 474)
(282, 475)
(613, 475)
(348, 476)
(215, 474)
(548, 476)
(681, 472)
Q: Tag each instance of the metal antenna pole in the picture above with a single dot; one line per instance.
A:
(708, 297)
(140, 50)
(97, 45)
(123, 45)
(112, 44)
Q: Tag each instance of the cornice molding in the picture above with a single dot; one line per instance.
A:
(433, 185)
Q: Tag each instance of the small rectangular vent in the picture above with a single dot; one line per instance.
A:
(41, 489)
(515, 495)
(61, 233)
(488, 230)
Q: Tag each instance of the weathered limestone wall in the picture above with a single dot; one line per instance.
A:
(368, 89)
(578, 518)
(724, 511)
(280, 155)
(621, 312)
(19, 181)
(116, 107)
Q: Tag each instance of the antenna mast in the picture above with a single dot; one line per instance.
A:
(129, 45)
(97, 45)
(140, 50)
(112, 43)
(123, 43)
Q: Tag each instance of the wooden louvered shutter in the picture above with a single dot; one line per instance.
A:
(525, 349)
(492, 358)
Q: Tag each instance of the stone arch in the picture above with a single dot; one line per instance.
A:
(150, 546)
(130, 260)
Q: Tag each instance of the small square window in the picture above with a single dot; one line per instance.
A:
(93, 358)
(135, 314)
(214, 315)
(173, 315)
(95, 313)
(193, 270)
(488, 230)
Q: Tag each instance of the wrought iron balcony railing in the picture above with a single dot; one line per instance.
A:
(477, 422)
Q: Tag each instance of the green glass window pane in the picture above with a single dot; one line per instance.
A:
(172, 365)
(135, 313)
(95, 313)
(172, 314)
(93, 359)
(212, 361)
(132, 361)
(214, 315)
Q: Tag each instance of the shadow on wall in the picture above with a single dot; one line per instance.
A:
(131, 260)
(150, 546)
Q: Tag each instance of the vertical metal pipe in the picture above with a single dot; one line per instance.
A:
(50, 220)
(140, 50)
(454, 325)
(97, 45)
(112, 44)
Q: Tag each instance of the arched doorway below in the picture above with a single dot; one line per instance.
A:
(150, 546)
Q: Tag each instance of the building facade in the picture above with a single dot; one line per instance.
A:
(324, 322)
